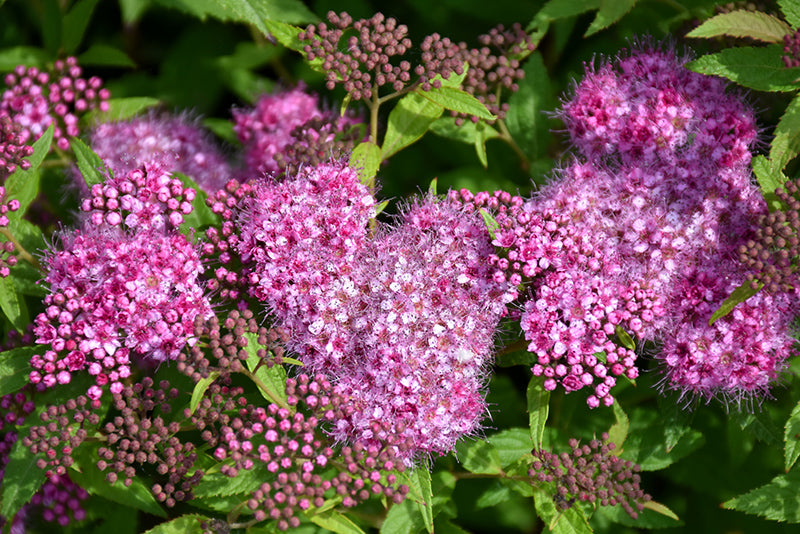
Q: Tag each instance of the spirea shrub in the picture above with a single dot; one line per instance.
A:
(265, 322)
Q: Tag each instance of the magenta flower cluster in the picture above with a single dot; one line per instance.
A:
(404, 321)
(35, 99)
(7, 260)
(114, 296)
(266, 129)
(161, 143)
(13, 149)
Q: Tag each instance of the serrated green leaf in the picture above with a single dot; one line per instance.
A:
(791, 437)
(610, 12)
(619, 430)
(286, 34)
(402, 518)
(92, 168)
(243, 484)
(761, 425)
(654, 516)
(759, 68)
(779, 500)
(185, 524)
(538, 409)
(791, 12)
(137, 495)
(570, 521)
(457, 100)
(14, 368)
(336, 522)
(74, 23)
(561, 9)
(739, 295)
(743, 23)
(23, 185)
(408, 121)
(366, 160)
(785, 144)
(511, 445)
(101, 55)
(122, 108)
(271, 381)
(22, 55)
(494, 495)
(646, 442)
(254, 12)
(13, 305)
(200, 390)
(480, 144)
(22, 477)
(420, 485)
(477, 456)
(769, 178)
(466, 133)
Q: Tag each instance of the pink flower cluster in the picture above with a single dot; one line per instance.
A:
(637, 233)
(165, 142)
(35, 99)
(13, 149)
(114, 296)
(266, 129)
(139, 200)
(404, 321)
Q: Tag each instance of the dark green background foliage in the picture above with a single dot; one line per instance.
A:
(197, 56)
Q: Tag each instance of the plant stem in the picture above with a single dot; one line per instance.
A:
(20, 250)
(505, 135)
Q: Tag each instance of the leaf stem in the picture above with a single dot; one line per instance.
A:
(20, 250)
(263, 387)
(505, 135)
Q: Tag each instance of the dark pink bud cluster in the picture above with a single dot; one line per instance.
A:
(64, 427)
(162, 141)
(365, 60)
(791, 50)
(271, 127)
(7, 260)
(140, 199)
(13, 149)
(317, 141)
(141, 437)
(590, 473)
(58, 501)
(34, 99)
(114, 296)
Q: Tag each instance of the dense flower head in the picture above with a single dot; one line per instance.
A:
(35, 99)
(317, 141)
(302, 235)
(140, 199)
(13, 149)
(426, 333)
(168, 142)
(590, 473)
(646, 107)
(271, 127)
(114, 296)
(791, 49)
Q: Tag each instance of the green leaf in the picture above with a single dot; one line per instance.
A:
(244, 483)
(786, 142)
(646, 447)
(137, 495)
(791, 12)
(22, 55)
(619, 430)
(791, 437)
(22, 477)
(761, 425)
(408, 121)
(466, 133)
(74, 23)
(526, 121)
(432, 187)
(655, 515)
(420, 484)
(779, 500)
(92, 168)
(740, 294)
(366, 159)
(496, 493)
(132, 10)
(273, 379)
(185, 524)
(13, 305)
(743, 23)
(14, 368)
(286, 34)
(769, 179)
(403, 518)
(336, 522)
(561, 9)
(122, 108)
(222, 128)
(101, 55)
(511, 445)
(538, 409)
(23, 185)
(457, 100)
(610, 12)
(200, 389)
(201, 214)
(254, 12)
(491, 224)
(624, 338)
(478, 456)
(759, 68)
(570, 521)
